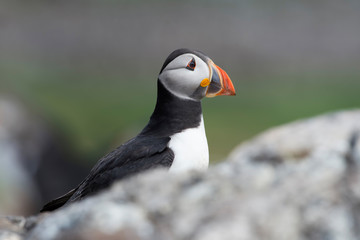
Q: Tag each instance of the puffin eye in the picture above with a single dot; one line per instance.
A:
(191, 65)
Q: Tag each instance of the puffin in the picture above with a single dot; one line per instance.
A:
(174, 137)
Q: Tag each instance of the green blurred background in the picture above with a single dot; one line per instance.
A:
(89, 68)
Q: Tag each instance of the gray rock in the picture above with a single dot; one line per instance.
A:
(299, 181)
(30, 155)
(13, 228)
(20, 149)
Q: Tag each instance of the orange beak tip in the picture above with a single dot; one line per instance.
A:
(228, 87)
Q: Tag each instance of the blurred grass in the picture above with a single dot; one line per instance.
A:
(266, 101)
(96, 111)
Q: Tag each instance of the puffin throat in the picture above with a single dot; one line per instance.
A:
(172, 114)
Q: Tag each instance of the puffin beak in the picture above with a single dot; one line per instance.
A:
(220, 83)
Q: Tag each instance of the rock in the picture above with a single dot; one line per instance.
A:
(29, 156)
(299, 181)
(14, 228)
(20, 147)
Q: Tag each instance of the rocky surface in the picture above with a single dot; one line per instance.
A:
(22, 141)
(29, 157)
(298, 181)
(13, 228)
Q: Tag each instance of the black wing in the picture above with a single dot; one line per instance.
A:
(137, 155)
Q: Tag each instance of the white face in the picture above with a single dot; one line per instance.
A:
(184, 81)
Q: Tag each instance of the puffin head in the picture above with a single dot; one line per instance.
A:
(192, 75)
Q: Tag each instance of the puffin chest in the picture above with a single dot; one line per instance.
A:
(190, 149)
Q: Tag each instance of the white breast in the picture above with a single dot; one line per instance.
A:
(190, 148)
